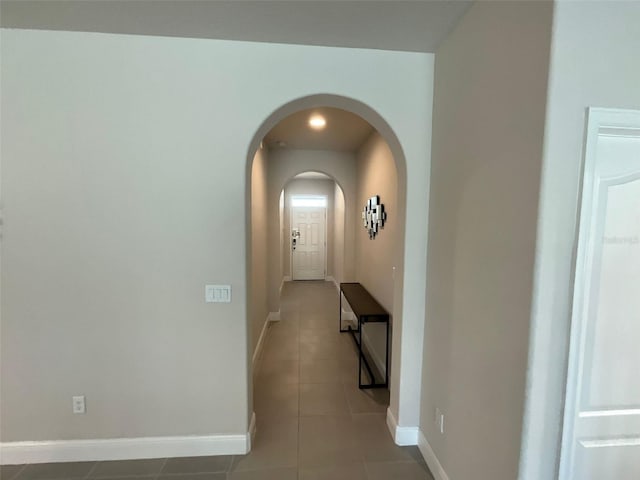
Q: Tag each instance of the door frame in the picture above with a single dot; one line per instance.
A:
(291, 207)
(613, 122)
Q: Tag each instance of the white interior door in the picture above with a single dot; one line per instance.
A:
(308, 244)
(601, 438)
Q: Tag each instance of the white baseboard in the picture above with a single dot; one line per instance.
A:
(260, 344)
(402, 436)
(15, 453)
(346, 315)
(272, 317)
(431, 459)
(285, 278)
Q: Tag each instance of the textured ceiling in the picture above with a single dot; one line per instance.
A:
(418, 25)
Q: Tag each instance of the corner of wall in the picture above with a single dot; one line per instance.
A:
(403, 436)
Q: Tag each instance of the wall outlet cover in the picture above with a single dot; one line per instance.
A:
(79, 406)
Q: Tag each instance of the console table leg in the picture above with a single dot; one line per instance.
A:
(340, 311)
(360, 354)
(386, 359)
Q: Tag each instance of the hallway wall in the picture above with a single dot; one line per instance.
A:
(258, 307)
(338, 234)
(284, 164)
(489, 113)
(377, 258)
(124, 181)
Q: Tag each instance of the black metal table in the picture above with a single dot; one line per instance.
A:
(366, 309)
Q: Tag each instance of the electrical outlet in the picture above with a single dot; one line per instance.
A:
(79, 405)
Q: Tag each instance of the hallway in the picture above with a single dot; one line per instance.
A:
(313, 423)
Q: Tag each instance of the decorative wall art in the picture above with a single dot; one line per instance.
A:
(374, 216)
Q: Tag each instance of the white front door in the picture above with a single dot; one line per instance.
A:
(601, 438)
(308, 243)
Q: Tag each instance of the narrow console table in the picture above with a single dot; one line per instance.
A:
(366, 309)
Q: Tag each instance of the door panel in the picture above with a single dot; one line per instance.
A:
(315, 239)
(308, 253)
(618, 461)
(617, 309)
(601, 437)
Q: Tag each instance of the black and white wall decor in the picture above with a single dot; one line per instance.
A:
(374, 216)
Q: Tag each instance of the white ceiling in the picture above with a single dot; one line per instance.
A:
(418, 25)
(344, 131)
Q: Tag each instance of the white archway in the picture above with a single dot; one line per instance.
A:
(399, 341)
(337, 249)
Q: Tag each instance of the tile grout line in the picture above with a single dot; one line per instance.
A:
(88, 475)
(228, 470)
(164, 463)
(18, 473)
(366, 470)
(361, 450)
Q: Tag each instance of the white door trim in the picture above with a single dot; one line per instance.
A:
(600, 121)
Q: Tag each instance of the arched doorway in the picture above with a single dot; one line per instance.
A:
(311, 189)
(389, 139)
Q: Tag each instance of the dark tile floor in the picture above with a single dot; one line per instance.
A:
(313, 423)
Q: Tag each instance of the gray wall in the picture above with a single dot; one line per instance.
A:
(377, 258)
(338, 234)
(594, 63)
(489, 107)
(258, 309)
(124, 182)
(284, 164)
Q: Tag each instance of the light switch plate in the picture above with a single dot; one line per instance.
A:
(217, 293)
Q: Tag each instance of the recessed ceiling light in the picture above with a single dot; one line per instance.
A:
(317, 122)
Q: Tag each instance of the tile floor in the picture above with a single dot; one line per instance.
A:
(313, 423)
